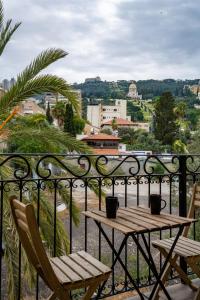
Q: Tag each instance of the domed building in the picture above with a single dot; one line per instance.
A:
(132, 93)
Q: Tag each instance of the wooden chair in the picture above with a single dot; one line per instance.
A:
(185, 247)
(61, 274)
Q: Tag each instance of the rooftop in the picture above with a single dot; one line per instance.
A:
(101, 137)
(106, 151)
(118, 121)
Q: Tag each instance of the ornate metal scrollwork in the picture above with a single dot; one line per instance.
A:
(150, 170)
(19, 164)
(103, 160)
(47, 172)
(193, 164)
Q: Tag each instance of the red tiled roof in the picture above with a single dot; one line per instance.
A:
(118, 121)
(106, 151)
(101, 137)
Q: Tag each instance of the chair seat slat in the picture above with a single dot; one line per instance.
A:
(183, 247)
(62, 277)
(96, 263)
(85, 264)
(76, 268)
(66, 269)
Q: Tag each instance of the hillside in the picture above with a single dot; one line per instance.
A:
(119, 89)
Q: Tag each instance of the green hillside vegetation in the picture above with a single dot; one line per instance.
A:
(148, 88)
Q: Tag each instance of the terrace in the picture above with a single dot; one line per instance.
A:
(61, 186)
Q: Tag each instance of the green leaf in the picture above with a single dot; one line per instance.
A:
(1, 14)
(6, 34)
(40, 84)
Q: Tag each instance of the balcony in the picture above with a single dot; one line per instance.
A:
(61, 186)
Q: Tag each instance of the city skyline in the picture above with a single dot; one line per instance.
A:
(115, 39)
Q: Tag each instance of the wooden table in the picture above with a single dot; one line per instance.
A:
(132, 221)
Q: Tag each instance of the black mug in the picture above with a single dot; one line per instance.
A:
(155, 204)
(112, 205)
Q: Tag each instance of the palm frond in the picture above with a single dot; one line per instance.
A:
(40, 84)
(47, 140)
(6, 33)
(42, 61)
(11, 252)
(1, 14)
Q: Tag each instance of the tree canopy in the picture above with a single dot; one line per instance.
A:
(165, 127)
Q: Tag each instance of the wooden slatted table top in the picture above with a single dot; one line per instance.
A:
(138, 220)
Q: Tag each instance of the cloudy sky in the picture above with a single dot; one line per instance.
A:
(115, 39)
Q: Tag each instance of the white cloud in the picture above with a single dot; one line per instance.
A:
(115, 39)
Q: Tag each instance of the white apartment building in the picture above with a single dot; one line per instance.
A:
(98, 114)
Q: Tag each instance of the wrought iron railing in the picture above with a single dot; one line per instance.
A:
(61, 186)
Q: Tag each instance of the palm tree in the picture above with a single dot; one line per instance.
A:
(58, 112)
(180, 109)
(29, 83)
(114, 124)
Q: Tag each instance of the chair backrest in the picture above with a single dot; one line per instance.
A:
(29, 236)
(194, 204)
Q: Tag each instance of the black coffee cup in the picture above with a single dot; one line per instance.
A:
(112, 205)
(155, 204)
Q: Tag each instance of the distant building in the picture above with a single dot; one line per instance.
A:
(195, 89)
(50, 98)
(119, 122)
(30, 107)
(89, 129)
(96, 79)
(12, 82)
(98, 114)
(122, 123)
(104, 144)
(7, 84)
(141, 125)
(53, 98)
(132, 93)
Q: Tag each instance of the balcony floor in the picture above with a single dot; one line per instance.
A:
(177, 292)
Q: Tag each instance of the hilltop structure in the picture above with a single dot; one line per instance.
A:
(133, 93)
(195, 89)
(95, 79)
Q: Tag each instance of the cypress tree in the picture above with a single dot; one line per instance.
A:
(165, 129)
(69, 120)
(48, 114)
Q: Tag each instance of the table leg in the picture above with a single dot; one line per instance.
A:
(152, 264)
(149, 261)
(117, 258)
(167, 258)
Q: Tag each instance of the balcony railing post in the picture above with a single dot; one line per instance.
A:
(183, 197)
